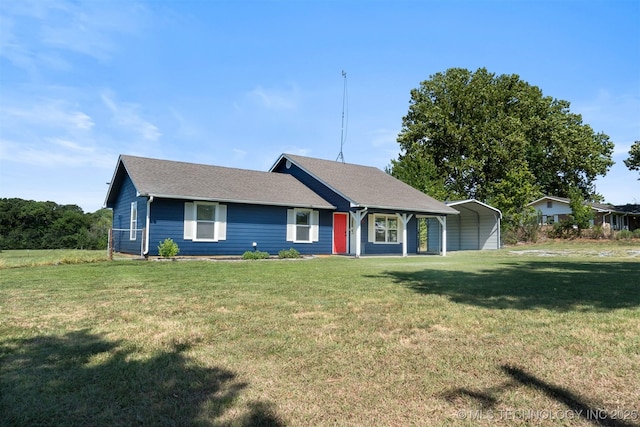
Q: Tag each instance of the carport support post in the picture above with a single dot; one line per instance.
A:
(405, 218)
(443, 222)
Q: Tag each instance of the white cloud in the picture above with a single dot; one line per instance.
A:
(36, 33)
(46, 113)
(73, 146)
(384, 137)
(275, 99)
(126, 116)
(617, 115)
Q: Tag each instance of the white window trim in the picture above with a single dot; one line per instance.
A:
(191, 221)
(292, 227)
(372, 229)
(133, 224)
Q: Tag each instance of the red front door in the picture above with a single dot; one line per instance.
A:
(340, 233)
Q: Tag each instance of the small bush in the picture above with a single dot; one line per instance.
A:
(255, 255)
(168, 248)
(636, 233)
(624, 235)
(564, 229)
(597, 232)
(289, 253)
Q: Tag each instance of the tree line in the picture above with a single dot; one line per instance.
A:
(28, 224)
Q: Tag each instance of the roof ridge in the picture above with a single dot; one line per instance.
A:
(193, 164)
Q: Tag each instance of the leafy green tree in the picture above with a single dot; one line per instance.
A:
(476, 130)
(420, 171)
(581, 212)
(512, 194)
(633, 162)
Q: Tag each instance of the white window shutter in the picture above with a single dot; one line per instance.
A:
(315, 226)
(221, 222)
(291, 225)
(372, 228)
(189, 221)
(400, 230)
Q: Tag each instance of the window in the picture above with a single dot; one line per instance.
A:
(302, 225)
(205, 221)
(133, 225)
(386, 228)
(549, 205)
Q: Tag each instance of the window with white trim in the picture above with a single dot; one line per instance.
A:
(205, 221)
(133, 224)
(386, 228)
(302, 225)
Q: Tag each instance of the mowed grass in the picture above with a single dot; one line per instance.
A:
(543, 335)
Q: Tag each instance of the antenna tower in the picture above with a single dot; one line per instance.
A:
(345, 102)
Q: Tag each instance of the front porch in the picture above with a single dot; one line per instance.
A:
(367, 232)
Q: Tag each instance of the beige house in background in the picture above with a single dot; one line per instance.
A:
(553, 209)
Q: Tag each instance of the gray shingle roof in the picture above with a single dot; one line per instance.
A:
(366, 186)
(171, 179)
(602, 207)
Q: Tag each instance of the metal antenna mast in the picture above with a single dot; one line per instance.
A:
(343, 132)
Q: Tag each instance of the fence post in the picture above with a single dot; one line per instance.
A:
(110, 244)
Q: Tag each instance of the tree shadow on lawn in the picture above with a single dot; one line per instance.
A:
(489, 398)
(554, 285)
(81, 379)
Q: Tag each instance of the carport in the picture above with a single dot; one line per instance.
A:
(476, 228)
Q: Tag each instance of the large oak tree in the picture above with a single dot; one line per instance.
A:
(496, 139)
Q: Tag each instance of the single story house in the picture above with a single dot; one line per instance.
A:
(315, 206)
(553, 209)
(632, 216)
(477, 227)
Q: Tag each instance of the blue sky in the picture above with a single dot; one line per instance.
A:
(237, 83)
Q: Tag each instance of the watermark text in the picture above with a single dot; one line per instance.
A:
(542, 414)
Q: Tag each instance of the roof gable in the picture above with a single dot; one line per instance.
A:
(366, 186)
(180, 180)
(599, 207)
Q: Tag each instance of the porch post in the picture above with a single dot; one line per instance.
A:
(404, 218)
(443, 222)
(357, 218)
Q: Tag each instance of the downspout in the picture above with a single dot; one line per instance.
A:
(148, 222)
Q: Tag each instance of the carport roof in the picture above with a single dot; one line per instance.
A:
(474, 205)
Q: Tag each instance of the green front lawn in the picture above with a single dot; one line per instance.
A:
(539, 334)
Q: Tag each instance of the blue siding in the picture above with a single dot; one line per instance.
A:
(369, 248)
(122, 218)
(344, 205)
(266, 225)
(316, 186)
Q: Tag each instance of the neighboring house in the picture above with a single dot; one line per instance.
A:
(315, 206)
(553, 209)
(631, 219)
(476, 228)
